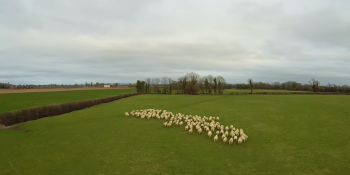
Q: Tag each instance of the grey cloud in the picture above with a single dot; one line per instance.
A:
(122, 41)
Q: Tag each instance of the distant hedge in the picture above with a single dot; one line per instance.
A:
(14, 117)
(288, 93)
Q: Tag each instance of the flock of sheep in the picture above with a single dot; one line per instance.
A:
(210, 125)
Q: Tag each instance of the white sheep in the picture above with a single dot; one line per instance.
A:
(230, 141)
(224, 140)
(227, 128)
(190, 131)
(187, 127)
(216, 138)
(235, 138)
(226, 133)
(217, 132)
(126, 114)
(232, 133)
(199, 130)
(166, 124)
(209, 134)
(181, 123)
(240, 140)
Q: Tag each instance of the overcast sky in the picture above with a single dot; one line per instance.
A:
(73, 41)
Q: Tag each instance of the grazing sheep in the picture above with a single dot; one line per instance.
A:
(230, 141)
(240, 140)
(243, 139)
(209, 134)
(216, 138)
(226, 133)
(211, 125)
(187, 127)
(224, 140)
(199, 130)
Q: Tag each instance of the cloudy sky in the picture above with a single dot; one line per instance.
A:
(65, 41)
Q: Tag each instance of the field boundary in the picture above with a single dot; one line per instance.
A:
(24, 115)
(287, 93)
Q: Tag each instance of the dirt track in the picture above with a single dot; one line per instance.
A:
(9, 91)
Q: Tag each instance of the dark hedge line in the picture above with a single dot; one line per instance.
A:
(14, 117)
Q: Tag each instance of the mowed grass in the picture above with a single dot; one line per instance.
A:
(10, 102)
(288, 134)
(228, 91)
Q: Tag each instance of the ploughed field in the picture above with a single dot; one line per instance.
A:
(288, 134)
(16, 101)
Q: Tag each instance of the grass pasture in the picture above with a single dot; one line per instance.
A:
(288, 134)
(16, 101)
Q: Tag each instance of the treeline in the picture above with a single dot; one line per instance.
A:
(191, 83)
(313, 85)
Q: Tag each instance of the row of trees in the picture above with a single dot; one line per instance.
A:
(313, 85)
(191, 83)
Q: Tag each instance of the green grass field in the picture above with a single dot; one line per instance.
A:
(10, 102)
(288, 134)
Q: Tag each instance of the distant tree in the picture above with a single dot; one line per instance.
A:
(183, 82)
(314, 84)
(215, 87)
(210, 79)
(164, 82)
(250, 81)
(170, 82)
(148, 85)
(221, 84)
(192, 86)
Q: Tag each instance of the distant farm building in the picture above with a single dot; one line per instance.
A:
(107, 86)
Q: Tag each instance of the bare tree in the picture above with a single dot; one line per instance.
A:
(314, 84)
(157, 81)
(192, 86)
(221, 84)
(250, 81)
(210, 79)
(202, 84)
(148, 84)
(170, 83)
(183, 82)
(164, 82)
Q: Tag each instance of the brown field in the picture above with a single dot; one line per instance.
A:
(9, 91)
